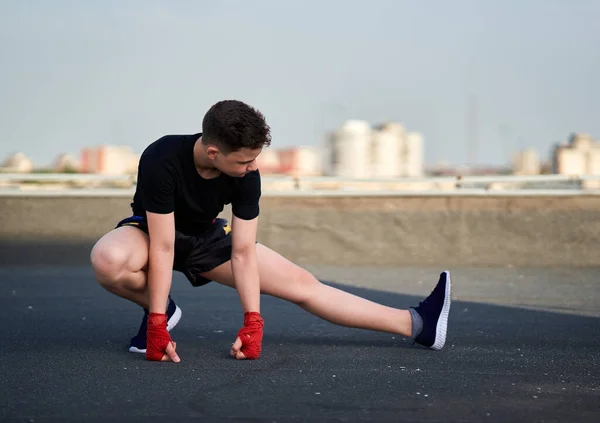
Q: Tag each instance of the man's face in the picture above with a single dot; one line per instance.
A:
(237, 163)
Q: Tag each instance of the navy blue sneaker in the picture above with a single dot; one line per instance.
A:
(138, 342)
(434, 311)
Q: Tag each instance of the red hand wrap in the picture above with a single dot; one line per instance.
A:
(252, 334)
(157, 337)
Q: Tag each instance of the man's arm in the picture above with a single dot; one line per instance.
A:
(244, 266)
(161, 229)
(244, 263)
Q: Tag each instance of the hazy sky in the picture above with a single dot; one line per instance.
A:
(78, 73)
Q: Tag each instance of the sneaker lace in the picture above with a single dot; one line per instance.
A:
(426, 301)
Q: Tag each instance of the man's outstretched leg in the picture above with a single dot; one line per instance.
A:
(119, 260)
(280, 278)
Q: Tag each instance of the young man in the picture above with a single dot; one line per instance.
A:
(184, 181)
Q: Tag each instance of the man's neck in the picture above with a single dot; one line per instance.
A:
(203, 165)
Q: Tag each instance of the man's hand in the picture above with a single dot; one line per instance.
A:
(248, 344)
(159, 346)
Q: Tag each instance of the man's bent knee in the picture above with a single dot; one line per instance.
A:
(109, 265)
(119, 255)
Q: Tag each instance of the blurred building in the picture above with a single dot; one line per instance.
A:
(384, 151)
(351, 150)
(65, 163)
(17, 162)
(580, 156)
(413, 155)
(387, 139)
(300, 161)
(526, 162)
(295, 161)
(268, 161)
(109, 160)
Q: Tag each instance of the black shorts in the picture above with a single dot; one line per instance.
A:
(195, 254)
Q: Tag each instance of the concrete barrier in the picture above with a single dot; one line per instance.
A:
(440, 231)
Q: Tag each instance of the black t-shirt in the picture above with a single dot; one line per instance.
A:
(169, 182)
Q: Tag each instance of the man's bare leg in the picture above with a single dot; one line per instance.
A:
(283, 279)
(119, 260)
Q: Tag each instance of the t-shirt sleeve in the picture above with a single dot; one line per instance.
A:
(246, 196)
(156, 185)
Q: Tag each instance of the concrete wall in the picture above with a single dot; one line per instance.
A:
(391, 231)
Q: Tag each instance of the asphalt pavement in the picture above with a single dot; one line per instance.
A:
(523, 346)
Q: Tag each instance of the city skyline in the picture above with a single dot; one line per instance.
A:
(505, 74)
(325, 155)
(357, 151)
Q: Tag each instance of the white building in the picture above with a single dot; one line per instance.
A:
(388, 157)
(384, 152)
(17, 162)
(351, 150)
(413, 155)
(580, 156)
(308, 161)
(526, 162)
(65, 162)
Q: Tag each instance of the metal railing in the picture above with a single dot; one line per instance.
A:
(91, 177)
(94, 184)
(64, 177)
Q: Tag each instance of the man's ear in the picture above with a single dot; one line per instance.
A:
(212, 152)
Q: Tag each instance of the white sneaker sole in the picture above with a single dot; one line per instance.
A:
(442, 325)
(175, 318)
